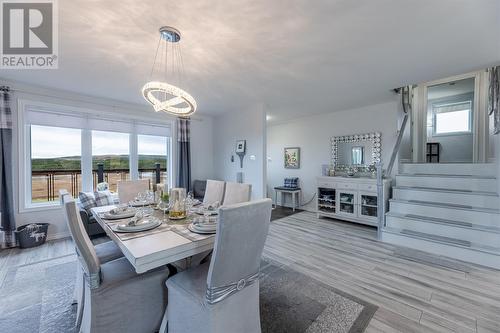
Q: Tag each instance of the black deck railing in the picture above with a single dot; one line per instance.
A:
(46, 183)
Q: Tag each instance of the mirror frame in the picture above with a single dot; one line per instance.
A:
(375, 138)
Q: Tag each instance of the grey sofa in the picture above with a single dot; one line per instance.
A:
(91, 226)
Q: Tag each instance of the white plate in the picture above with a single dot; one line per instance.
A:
(203, 211)
(192, 228)
(205, 226)
(140, 203)
(124, 215)
(142, 226)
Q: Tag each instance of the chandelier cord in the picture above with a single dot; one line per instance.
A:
(166, 68)
(154, 61)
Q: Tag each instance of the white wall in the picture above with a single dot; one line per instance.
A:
(249, 125)
(312, 135)
(201, 142)
(202, 148)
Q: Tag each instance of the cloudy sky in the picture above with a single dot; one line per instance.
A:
(50, 142)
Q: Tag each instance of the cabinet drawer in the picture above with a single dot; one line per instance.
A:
(347, 186)
(368, 187)
(327, 184)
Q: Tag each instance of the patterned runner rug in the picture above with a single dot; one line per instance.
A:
(37, 298)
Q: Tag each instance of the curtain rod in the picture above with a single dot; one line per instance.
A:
(7, 88)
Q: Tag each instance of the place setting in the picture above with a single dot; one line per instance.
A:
(205, 219)
(139, 222)
(143, 199)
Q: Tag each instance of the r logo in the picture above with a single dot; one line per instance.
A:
(27, 28)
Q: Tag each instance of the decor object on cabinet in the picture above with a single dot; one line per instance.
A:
(165, 96)
(351, 171)
(358, 150)
(292, 158)
(241, 147)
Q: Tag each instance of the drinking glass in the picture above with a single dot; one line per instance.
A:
(177, 204)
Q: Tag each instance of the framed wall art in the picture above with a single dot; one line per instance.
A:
(292, 158)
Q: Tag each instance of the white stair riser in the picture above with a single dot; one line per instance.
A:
(472, 216)
(486, 185)
(474, 200)
(477, 169)
(470, 255)
(471, 235)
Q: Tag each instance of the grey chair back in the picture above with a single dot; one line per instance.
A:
(236, 193)
(62, 193)
(84, 247)
(128, 189)
(241, 233)
(214, 191)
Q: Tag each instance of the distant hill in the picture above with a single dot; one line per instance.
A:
(111, 162)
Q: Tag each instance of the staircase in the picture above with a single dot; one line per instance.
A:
(447, 209)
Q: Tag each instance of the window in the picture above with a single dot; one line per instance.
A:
(63, 148)
(55, 162)
(152, 152)
(452, 118)
(111, 150)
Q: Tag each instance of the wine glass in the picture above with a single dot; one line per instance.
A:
(189, 201)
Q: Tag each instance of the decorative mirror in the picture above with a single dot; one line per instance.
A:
(359, 150)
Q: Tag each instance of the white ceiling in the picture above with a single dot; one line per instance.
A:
(295, 57)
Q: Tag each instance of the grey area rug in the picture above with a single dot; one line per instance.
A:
(37, 298)
(294, 303)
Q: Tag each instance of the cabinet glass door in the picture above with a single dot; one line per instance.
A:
(347, 202)
(368, 205)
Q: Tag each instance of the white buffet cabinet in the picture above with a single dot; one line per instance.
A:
(351, 199)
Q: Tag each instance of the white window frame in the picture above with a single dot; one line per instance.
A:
(434, 119)
(24, 148)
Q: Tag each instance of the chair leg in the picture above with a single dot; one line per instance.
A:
(164, 322)
(78, 279)
(81, 302)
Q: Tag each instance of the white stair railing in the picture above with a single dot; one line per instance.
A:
(406, 103)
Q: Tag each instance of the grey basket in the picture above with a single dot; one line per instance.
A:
(31, 235)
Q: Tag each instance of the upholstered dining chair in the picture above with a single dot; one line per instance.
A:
(128, 189)
(106, 251)
(236, 193)
(223, 295)
(214, 191)
(116, 298)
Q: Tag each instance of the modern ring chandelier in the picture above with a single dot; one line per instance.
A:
(168, 64)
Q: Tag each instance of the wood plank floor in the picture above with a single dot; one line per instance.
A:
(415, 292)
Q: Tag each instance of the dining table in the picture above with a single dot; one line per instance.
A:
(170, 242)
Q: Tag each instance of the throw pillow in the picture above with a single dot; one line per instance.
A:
(87, 200)
(292, 182)
(103, 198)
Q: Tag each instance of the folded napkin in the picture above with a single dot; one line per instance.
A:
(137, 217)
(119, 210)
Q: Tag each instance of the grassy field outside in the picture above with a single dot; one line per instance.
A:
(49, 175)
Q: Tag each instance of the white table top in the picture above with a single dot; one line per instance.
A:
(154, 248)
